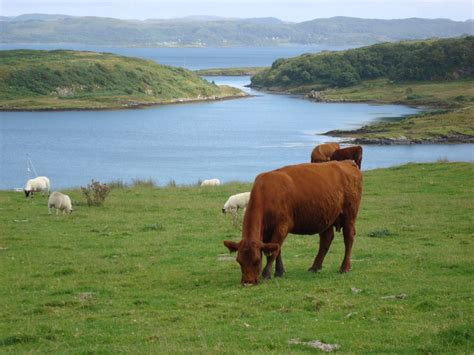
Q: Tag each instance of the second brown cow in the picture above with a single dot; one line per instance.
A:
(299, 199)
(350, 153)
(322, 153)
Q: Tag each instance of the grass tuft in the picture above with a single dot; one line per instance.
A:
(380, 233)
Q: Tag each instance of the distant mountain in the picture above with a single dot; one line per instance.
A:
(39, 17)
(264, 20)
(222, 32)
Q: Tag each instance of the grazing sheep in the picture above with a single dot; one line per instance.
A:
(322, 153)
(234, 203)
(59, 201)
(211, 182)
(41, 183)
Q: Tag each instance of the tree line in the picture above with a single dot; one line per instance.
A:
(442, 59)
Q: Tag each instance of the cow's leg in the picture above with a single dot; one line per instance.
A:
(325, 240)
(349, 234)
(279, 269)
(278, 236)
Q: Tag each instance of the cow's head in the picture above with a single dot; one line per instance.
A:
(249, 256)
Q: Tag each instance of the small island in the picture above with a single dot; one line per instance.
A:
(79, 80)
(242, 71)
(436, 75)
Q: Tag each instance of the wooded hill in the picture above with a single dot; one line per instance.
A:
(70, 79)
(405, 61)
(222, 32)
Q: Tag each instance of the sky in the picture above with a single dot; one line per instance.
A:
(295, 11)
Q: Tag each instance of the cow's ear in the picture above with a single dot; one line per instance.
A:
(270, 248)
(232, 246)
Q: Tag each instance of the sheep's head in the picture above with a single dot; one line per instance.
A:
(27, 193)
(232, 210)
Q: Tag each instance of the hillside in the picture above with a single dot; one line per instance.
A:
(205, 31)
(148, 273)
(404, 61)
(60, 79)
(437, 74)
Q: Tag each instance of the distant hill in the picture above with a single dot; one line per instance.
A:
(221, 32)
(404, 61)
(89, 80)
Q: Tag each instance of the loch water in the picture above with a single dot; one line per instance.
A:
(230, 140)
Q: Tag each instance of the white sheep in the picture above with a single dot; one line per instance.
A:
(59, 201)
(41, 183)
(234, 203)
(211, 182)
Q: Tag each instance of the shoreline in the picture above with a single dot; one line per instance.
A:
(426, 108)
(133, 105)
(459, 139)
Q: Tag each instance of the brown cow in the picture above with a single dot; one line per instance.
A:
(322, 153)
(350, 153)
(300, 199)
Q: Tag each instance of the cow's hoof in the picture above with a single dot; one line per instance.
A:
(279, 274)
(344, 270)
(267, 276)
(314, 269)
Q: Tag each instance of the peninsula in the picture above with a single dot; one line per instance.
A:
(78, 80)
(434, 74)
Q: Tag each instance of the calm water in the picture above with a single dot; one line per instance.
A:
(197, 58)
(230, 140)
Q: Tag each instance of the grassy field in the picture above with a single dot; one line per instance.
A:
(229, 71)
(453, 118)
(61, 80)
(148, 272)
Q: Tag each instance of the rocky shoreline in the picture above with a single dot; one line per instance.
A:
(130, 105)
(401, 140)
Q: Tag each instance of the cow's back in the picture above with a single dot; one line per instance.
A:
(322, 153)
(308, 197)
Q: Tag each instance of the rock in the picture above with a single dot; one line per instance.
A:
(65, 91)
(316, 344)
(400, 296)
(314, 95)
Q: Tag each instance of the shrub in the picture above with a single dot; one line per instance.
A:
(149, 183)
(95, 193)
(117, 184)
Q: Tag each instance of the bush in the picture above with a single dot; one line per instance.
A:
(149, 183)
(95, 193)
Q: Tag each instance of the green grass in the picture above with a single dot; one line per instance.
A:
(148, 272)
(442, 94)
(453, 119)
(33, 80)
(229, 71)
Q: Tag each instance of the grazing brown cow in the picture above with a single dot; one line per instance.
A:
(300, 199)
(322, 153)
(350, 153)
